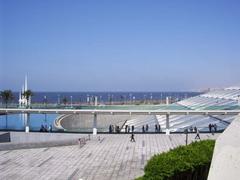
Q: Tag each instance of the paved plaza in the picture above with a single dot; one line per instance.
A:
(112, 156)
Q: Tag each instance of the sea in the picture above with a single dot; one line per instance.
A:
(17, 122)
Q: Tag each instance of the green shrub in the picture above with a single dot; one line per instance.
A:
(184, 162)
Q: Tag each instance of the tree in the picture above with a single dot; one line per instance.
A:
(65, 100)
(7, 96)
(28, 94)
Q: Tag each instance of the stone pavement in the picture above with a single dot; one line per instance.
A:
(111, 157)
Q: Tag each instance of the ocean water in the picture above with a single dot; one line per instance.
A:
(103, 97)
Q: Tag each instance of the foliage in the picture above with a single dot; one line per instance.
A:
(7, 96)
(184, 162)
(28, 94)
(65, 100)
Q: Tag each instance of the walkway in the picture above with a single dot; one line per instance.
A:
(111, 157)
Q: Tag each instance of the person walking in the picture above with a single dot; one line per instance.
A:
(132, 139)
(132, 128)
(197, 133)
(146, 127)
(143, 130)
(156, 128)
(159, 128)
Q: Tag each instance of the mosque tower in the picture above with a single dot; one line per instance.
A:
(22, 99)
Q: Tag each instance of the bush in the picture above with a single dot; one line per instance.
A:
(182, 163)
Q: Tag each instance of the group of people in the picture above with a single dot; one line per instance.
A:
(145, 129)
(128, 129)
(46, 128)
(212, 127)
(114, 129)
(158, 128)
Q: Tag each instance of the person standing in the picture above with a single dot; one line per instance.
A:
(210, 127)
(159, 128)
(215, 127)
(126, 128)
(143, 130)
(132, 128)
(146, 127)
(156, 128)
(110, 128)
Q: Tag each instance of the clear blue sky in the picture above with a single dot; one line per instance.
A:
(119, 45)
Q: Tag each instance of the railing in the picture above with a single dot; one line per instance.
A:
(125, 107)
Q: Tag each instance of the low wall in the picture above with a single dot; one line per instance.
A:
(226, 157)
(35, 137)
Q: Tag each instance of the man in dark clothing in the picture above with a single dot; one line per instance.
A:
(147, 128)
(143, 130)
(126, 128)
(210, 128)
(132, 137)
(132, 128)
(110, 128)
(156, 128)
(159, 128)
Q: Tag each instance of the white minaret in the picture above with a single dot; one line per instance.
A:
(25, 85)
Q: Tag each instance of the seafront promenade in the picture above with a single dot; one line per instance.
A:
(105, 156)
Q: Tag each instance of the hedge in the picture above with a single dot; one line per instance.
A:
(189, 162)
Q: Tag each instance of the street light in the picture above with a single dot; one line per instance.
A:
(45, 102)
(58, 102)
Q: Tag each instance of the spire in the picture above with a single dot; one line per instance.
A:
(26, 88)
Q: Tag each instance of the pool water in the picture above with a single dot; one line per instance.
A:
(17, 121)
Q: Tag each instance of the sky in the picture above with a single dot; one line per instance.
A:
(119, 45)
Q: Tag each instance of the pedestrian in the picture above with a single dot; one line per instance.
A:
(42, 128)
(191, 129)
(146, 127)
(132, 137)
(79, 142)
(210, 128)
(46, 128)
(156, 128)
(126, 128)
(159, 128)
(132, 128)
(215, 127)
(143, 130)
(197, 133)
(110, 128)
(50, 128)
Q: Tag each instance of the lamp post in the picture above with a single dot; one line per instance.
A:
(186, 132)
(45, 102)
(58, 101)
